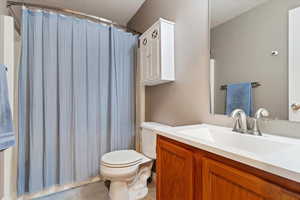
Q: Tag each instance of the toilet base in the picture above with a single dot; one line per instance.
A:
(118, 190)
(133, 190)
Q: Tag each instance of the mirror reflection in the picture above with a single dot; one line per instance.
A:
(254, 60)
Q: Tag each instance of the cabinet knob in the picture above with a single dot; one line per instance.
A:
(295, 107)
(145, 41)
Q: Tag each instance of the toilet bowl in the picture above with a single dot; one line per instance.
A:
(129, 170)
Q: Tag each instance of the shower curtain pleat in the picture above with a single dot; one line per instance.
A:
(80, 98)
(122, 113)
(65, 98)
(76, 97)
(50, 98)
(93, 96)
(23, 111)
(104, 90)
(36, 113)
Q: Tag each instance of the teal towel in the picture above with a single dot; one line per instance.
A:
(7, 138)
(239, 96)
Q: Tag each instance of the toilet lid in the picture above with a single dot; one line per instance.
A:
(123, 158)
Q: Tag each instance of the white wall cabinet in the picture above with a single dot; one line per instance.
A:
(157, 53)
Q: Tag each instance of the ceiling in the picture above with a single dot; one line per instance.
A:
(224, 10)
(120, 11)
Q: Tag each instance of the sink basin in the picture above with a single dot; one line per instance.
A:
(265, 147)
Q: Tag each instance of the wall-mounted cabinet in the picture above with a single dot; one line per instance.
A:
(157, 53)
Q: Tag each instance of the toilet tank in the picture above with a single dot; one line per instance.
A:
(148, 143)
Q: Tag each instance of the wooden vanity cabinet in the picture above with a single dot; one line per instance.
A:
(186, 173)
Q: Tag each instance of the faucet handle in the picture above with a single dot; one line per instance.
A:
(240, 121)
(236, 113)
(262, 112)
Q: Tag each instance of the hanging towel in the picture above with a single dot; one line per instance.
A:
(239, 96)
(7, 138)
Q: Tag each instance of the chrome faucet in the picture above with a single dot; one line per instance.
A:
(240, 121)
(260, 113)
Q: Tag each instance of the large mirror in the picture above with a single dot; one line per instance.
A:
(255, 57)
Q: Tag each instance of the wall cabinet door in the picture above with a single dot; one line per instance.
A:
(221, 182)
(146, 58)
(174, 172)
(155, 55)
(150, 55)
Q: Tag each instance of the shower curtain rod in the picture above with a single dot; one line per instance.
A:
(67, 11)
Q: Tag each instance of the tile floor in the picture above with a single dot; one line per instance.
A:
(94, 191)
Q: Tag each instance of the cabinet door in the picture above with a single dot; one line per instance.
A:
(221, 182)
(174, 172)
(155, 54)
(145, 58)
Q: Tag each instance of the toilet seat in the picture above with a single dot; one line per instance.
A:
(122, 159)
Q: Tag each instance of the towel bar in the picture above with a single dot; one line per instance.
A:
(254, 85)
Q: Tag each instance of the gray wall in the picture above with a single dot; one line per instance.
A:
(3, 9)
(242, 49)
(186, 101)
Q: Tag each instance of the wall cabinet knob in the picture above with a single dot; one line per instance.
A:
(145, 41)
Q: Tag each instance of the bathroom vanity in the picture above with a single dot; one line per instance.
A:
(207, 162)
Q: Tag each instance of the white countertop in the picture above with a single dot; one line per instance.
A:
(273, 154)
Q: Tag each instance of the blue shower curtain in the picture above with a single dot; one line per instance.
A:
(76, 98)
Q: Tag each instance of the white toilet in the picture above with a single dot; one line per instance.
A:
(129, 170)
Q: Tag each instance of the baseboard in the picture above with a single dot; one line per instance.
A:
(56, 189)
(11, 197)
